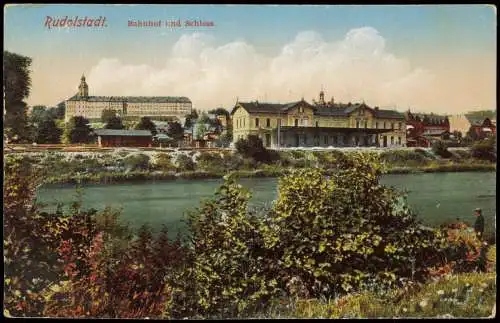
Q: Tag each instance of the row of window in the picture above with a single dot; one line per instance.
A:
(364, 124)
(337, 140)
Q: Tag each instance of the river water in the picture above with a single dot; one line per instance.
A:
(436, 197)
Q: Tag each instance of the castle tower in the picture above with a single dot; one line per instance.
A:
(83, 88)
(322, 97)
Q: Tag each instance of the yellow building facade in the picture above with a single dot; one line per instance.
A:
(300, 124)
(91, 107)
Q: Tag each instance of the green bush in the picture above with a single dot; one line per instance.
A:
(232, 161)
(345, 233)
(440, 149)
(252, 147)
(164, 162)
(210, 162)
(136, 162)
(485, 150)
(404, 157)
(229, 258)
(184, 163)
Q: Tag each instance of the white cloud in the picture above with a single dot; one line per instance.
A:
(354, 68)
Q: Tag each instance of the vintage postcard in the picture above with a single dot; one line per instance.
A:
(249, 161)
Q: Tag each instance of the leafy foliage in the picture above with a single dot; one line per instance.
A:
(136, 161)
(107, 115)
(146, 124)
(345, 232)
(114, 122)
(252, 147)
(440, 149)
(48, 132)
(229, 256)
(184, 162)
(78, 130)
(485, 150)
(175, 130)
(17, 86)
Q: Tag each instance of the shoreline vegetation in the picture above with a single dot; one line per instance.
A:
(133, 165)
(140, 176)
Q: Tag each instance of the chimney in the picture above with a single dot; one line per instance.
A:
(376, 108)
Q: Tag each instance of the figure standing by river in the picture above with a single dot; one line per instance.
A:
(479, 224)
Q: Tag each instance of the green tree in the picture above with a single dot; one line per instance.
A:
(107, 115)
(59, 111)
(114, 123)
(146, 124)
(191, 119)
(48, 132)
(201, 129)
(38, 114)
(77, 131)
(175, 131)
(17, 85)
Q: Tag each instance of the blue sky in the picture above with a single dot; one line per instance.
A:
(420, 34)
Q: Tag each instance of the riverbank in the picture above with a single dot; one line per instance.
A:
(141, 176)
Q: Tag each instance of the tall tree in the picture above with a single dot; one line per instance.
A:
(78, 130)
(107, 114)
(201, 129)
(48, 132)
(175, 130)
(146, 124)
(114, 123)
(17, 85)
(38, 114)
(58, 111)
(191, 119)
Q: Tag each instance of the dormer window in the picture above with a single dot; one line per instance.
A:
(301, 109)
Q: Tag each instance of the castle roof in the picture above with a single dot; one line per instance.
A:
(132, 99)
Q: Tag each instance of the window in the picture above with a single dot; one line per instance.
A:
(268, 122)
(317, 124)
(278, 122)
(392, 140)
(326, 140)
(392, 125)
(243, 122)
(334, 140)
(301, 109)
(376, 125)
(399, 139)
(296, 122)
(400, 126)
(304, 122)
(357, 123)
(366, 124)
(256, 122)
(384, 124)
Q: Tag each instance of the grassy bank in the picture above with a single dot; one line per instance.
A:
(464, 295)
